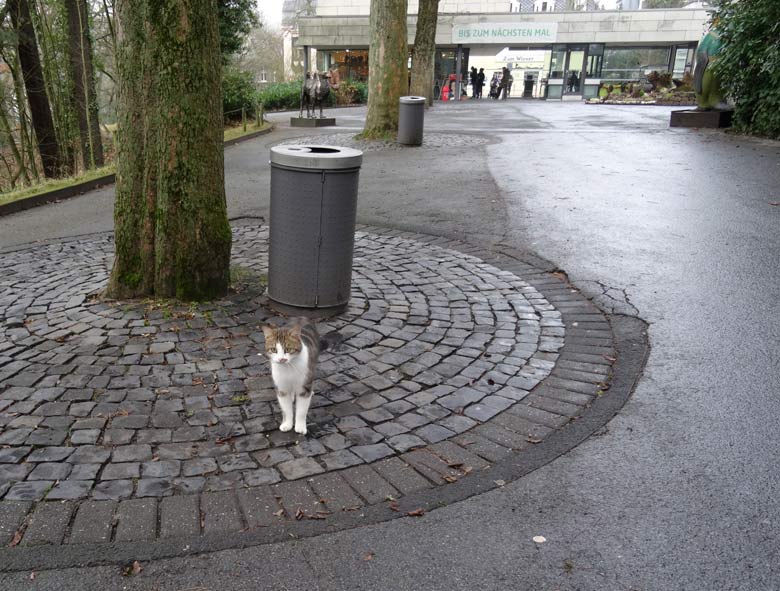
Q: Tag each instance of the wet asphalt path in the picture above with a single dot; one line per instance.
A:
(680, 491)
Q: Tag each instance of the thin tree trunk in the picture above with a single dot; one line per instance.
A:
(424, 51)
(172, 232)
(25, 139)
(40, 111)
(6, 127)
(80, 57)
(387, 76)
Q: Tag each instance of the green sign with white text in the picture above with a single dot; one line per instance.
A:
(505, 33)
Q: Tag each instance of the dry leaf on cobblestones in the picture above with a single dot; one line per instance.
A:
(353, 508)
(530, 439)
(299, 514)
(500, 482)
(539, 539)
(394, 506)
(609, 358)
(279, 513)
(416, 513)
(16, 539)
(133, 569)
(32, 576)
(368, 556)
(450, 478)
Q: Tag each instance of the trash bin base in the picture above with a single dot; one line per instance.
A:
(312, 122)
(325, 312)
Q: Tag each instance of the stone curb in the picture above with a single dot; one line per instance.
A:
(81, 188)
(220, 521)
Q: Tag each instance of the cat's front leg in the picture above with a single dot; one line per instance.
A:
(286, 404)
(302, 402)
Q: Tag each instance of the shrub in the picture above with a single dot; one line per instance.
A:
(238, 92)
(281, 95)
(748, 63)
(660, 79)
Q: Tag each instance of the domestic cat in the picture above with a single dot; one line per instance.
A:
(293, 350)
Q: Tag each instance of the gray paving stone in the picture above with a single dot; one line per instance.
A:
(371, 453)
(136, 520)
(400, 475)
(433, 433)
(29, 491)
(363, 436)
(93, 522)
(261, 476)
(336, 493)
(298, 495)
(88, 454)
(13, 455)
(259, 506)
(50, 471)
(121, 471)
(405, 442)
(239, 461)
(12, 514)
(70, 490)
(271, 457)
(299, 468)
(47, 524)
(220, 512)
(369, 484)
(179, 516)
(161, 469)
(113, 489)
(154, 487)
(340, 459)
(198, 466)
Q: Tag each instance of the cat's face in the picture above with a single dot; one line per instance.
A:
(282, 344)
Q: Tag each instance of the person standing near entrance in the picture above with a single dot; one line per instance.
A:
(473, 82)
(502, 85)
(480, 82)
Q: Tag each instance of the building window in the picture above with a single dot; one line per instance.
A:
(632, 63)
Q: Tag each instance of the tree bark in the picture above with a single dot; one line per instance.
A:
(172, 232)
(80, 57)
(37, 97)
(388, 74)
(424, 52)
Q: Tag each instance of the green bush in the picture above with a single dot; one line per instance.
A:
(287, 95)
(748, 63)
(281, 95)
(238, 92)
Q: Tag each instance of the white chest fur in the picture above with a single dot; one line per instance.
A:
(290, 377)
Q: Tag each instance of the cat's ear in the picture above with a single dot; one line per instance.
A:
(268, 331)
(295, 331)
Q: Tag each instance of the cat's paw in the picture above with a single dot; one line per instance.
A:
(286, 426)
(300, 428)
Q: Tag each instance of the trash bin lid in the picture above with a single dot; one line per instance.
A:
(412, 100)
(317, 157)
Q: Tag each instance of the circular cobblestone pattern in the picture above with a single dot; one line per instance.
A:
(112, 400)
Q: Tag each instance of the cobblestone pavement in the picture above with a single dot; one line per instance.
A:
(431, 140)
(147, 420)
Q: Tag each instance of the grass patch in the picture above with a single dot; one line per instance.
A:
(47, 186)
(232, 133)
(54, 184)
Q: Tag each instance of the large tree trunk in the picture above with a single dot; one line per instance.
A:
(424, 52)
(388, 75)
(80, 56)
(37, 97)
(172, 232)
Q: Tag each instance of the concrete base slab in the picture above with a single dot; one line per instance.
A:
(312, 122)
(696, 118)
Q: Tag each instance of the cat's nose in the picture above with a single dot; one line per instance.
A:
(282, 360)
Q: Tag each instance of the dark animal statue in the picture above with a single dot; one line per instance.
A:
(315, 89)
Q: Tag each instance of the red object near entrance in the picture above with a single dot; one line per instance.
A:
(445, 93)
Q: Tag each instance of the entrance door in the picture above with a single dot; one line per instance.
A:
(574, 75)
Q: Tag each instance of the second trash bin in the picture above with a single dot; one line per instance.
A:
(411, 116)
(312, 227)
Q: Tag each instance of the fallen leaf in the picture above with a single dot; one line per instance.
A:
(32, 576)
(368, 556)
(299, 514)
(133, 569)
(774, 203)
(539, 539)
(450, 478)
(394, 506)
(455, 464)
(416, 513)
(16, 539)
(499, 482)
(467, 470)
(279, 513)
(603, 387)
(530, 439)
(352, 508)
(609, 358)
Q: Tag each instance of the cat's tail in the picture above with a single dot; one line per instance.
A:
(330, 341)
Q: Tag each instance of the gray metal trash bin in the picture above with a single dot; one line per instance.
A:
(410, 120)
(312, 227)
